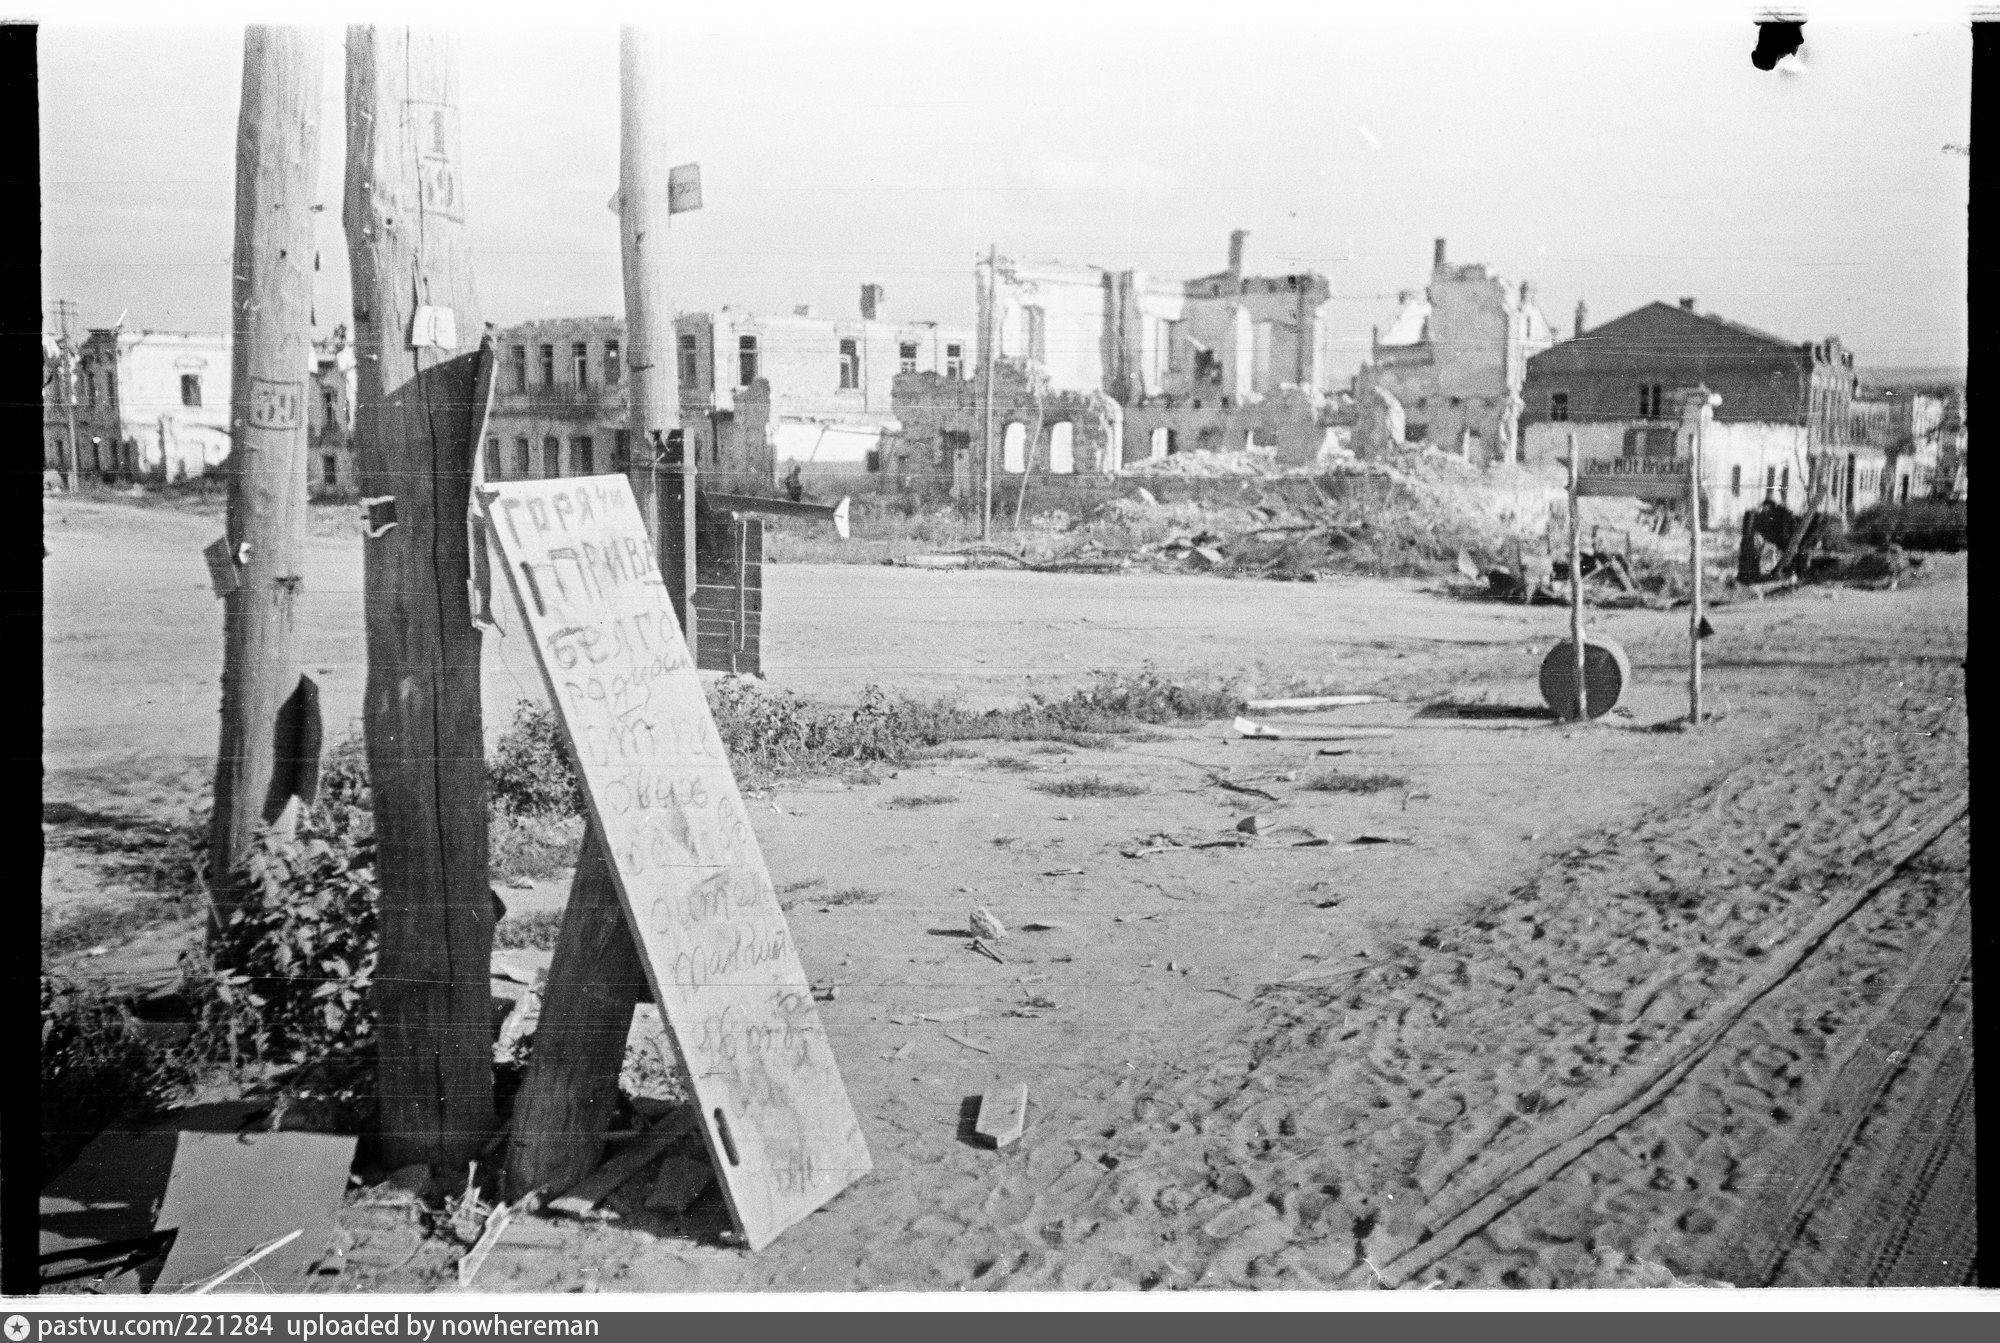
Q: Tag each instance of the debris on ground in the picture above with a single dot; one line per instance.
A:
(1002, 1114)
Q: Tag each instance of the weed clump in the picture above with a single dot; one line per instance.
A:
(530, 773)
(1340, 781)
(97, 1068)
(1088, 785)
(915, 801)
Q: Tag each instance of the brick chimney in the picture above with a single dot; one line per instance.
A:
(1582, 317)
(1437, 254)
(1687, 305)
(1236, 240)
(872, 296)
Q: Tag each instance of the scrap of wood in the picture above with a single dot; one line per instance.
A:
(475, 1258)
(1262, 732)
(1312, 702)
(978, 944)
(1002, 1114)
(961, 1040)
(680, 1182)
(599, 1185)
(1235, 787)
(901, 1051)
(1384, 838)
(243, 1264)
(947, 1014)
(1064, 872)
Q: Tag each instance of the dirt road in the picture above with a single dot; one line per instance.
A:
(1570, 899)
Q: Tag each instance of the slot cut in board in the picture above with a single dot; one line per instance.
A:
(782, 1135)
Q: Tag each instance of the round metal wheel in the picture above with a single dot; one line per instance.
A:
(1607, 673)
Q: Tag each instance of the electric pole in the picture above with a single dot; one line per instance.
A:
(596, 975)
(65, 309)
(417, 330)
(269, 711)
(992, 348)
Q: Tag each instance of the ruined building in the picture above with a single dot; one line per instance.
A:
(757, 394)
(1448, 371)
(1784, 429)
(152, 405)
(1098, 369)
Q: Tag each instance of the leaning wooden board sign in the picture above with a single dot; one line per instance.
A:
(781, 1132)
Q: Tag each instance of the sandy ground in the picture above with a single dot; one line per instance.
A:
(1568, 898)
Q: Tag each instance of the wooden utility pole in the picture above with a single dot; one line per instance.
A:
(596, 976)
(992, 355)
(1576, 579)
(1694, 559)
(417, 328)
(68, 374)
(269, 711)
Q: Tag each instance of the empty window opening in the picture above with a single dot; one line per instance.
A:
(329, 470)
(111, 385)
(621, 450)
(613, 368)
(1014, 448)
(850, 366)
(327, 407)
(552, 458)
(906, 357)
(583, 452)
(579, 363)
(1062, 448)
(746, 360)
(690, 360)
(1559, 405)
(492, 459)
(190, 389)
(524, 463)
(548, 358)
(1651, 398)
(520, 363)
(954, 361)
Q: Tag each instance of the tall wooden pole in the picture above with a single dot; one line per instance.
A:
(567, 1099)
(1576, 579)
(992, 356)
(1694, 561)
(266, 704)
(417, 328)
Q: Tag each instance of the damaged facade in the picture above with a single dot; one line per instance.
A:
(1145, 367)
(151, 405)
(757, 395)
(1449, 370)
(762, 395)
(1783, 430)
(330, 418)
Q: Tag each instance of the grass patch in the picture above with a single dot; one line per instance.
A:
(107, 925)
(532, 846)
(1088, 785)
(847, 895)
(1341, 781)
(97, 1068)
(916, 801)
(1014, 764)
(537, 930)
(807, 884)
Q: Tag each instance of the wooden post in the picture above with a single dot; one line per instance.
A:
(263, 701)
(1694, 562)
(571, 1090)
(556, 1136)
(992, 353)
(417, 328)
(1576, 580)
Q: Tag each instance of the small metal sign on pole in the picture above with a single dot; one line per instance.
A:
(683, 188)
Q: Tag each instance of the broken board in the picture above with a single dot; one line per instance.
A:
(231, 1193)
(782, 1135)
(1003, 1112)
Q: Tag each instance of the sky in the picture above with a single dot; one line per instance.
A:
(1618, 162)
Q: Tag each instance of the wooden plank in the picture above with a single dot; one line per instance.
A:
(1312, 702)
(1002, 1114)
(600, 1184)
(277, 185)
(405, 223)
(231, 1194)
(782, 1135)
(1632, 487)
(1263, 732)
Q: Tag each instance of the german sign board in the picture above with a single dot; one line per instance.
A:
(781, 1132)
(1635, 477)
